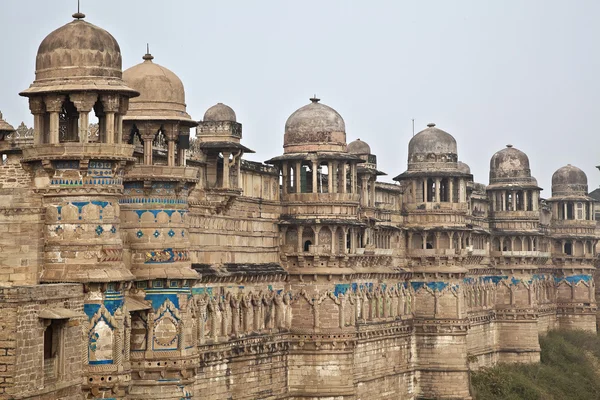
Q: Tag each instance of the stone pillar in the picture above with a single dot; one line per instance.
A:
(330, 177)
(284, 178)
(565, 207)
(353, 177)
(373, 193)
(425, 188)
(297, 172)
(37, 107)
(54, 106)
(333, 239)
(111, 106)
(334, 176)
(84, 102)
(414, 191)
(171, 154)
(513, 200)
(300, 243)
(424, 234)
(343, 181)
(314, 177)
(437, 190)
(123, 107)
(226, 155)
(535, 200)
(503, 197)
(364, 189)
(462, 191)
(238, 166)
(525, 200)
(451, 190)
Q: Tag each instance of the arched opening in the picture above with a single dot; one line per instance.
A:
(68, 123)
(568, 248)
(570, 211)
(496, 244)
(307, 245)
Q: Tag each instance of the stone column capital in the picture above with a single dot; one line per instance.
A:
(54, 102)
(110, 102)
(84, 102)
(123, 105)
(36, 105)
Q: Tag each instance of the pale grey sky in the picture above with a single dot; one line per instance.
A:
(523, 72)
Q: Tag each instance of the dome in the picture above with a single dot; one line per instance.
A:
(78, 55)
(359, 147)
(510, 166)
(315, 127)
(5, 127)
(220, 112)
(432, 146)
(162, 96)
(569, 181)
(464, 168)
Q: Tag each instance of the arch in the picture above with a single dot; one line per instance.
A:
(307, 245)
(568, 248)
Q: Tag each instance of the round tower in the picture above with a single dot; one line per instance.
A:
(436, 204)
(519, 250)
(320, 195)
(574, 238)
(80, 179)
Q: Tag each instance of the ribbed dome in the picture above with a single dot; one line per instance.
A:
(464, 168)
(569, 181)
(315, 127)
(78, 55)
(220, 112)
(510, 166)
(432, 145)
(162, 95)
(359, 147)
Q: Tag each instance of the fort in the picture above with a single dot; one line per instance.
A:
(140, 261)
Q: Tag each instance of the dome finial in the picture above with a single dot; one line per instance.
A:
(430, 125)
(314, 99)
(148, 56)
(78, 14)
(509, 145)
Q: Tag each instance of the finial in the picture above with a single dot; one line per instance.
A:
(78, 14)
(0, 114)
(314, 99)
(509, 145)
(148, 56)
(431, 125)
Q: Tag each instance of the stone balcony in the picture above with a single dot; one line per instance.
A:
(161, 173)
(79, 151)
(321, 197)
(521, 254)
(573, 227)
(511, 215)
(435, 207)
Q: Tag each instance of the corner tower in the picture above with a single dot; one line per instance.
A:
(155, 214)
(574, 239)
(519, 251)
(80, 179)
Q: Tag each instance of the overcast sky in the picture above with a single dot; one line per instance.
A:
(522, 72)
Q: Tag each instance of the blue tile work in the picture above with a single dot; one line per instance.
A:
(573, 279)
(157, 296)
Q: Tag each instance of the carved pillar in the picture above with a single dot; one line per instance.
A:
(525, 200)
(364, 201)
(437, 190)
(297, 178)
(299, 244)
(284, 178)
(414, 191)
(171, 155)
(343, 181)
(54, 106)
(353, 177)
(373, 192)
(110, 102)
(451, 190)
(425, 189)
(226, 155)
(314, 176)
(123, 107)
(330, 177)
(84, 102)
(37, 107)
